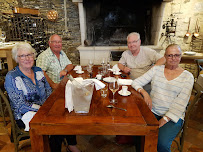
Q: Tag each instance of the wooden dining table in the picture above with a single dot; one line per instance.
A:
(54, 119)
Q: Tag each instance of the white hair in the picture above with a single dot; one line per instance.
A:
(133, 33)
(22, 46)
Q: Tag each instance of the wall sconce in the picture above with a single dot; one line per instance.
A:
(197, 28)
(188, 33)
(52, 15)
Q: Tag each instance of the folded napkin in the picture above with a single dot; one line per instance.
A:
(77, 67)
(98, 84)
(27, 118)
(125, 81)
(68, 91)
(115, 68)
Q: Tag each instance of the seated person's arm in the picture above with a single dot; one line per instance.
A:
(142, 81)
(17, 99)
(67, 69)
(123, 68)
(146, 96)
(160, 61)
(51, 83)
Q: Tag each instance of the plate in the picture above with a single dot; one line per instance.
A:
(79, 72)
(109, 79)
(127, 93)
(117, 73)
(190, 53)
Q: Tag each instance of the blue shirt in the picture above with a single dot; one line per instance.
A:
(23, 93)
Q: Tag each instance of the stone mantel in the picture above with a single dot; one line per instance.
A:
(96, 53)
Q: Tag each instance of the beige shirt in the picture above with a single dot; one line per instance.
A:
(141, 63)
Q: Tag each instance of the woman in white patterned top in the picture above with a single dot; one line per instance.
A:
(171, 88)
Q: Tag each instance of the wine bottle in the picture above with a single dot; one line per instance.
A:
(81, 88)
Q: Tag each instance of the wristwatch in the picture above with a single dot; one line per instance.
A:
(165, 118)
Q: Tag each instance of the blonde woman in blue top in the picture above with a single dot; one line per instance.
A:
(26, 84)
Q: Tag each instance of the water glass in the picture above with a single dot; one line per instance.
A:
(104, 91)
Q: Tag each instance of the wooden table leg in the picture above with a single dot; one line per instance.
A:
(11, 63)
(39, 143)
(151, 140)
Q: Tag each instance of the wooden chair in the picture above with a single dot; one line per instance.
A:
(2, 105)
(199, 63)
(17, 133)
(191, 104)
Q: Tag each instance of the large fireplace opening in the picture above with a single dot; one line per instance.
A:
(109, 22)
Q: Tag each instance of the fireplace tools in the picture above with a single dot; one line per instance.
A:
(170, 29)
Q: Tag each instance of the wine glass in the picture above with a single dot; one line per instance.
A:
(90, 63)
(89, 70)
(113, 86)
(3, 37)
(103, 62)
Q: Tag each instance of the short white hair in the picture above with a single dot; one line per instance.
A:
(22, 46)
(133, 33)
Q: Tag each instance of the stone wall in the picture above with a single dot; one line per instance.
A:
(182, 10)
(70, 36)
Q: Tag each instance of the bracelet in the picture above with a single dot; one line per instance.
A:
(138, 90)
(165, 118)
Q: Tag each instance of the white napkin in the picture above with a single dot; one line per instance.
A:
(77, 67)
(115, 68)
(27, 118)
(125, 81)
(98, 84)
(68, 92)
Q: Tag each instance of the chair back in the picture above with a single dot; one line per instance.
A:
(198, 95)
(17, 134)
(199, 63)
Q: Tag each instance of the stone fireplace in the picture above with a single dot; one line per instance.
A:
(104, 25)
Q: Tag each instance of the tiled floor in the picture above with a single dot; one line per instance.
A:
(193, 140)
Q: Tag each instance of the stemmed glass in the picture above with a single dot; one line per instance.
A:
(113, 86)
(103, 62)
(3, 36)
(90, 63)
(89, 70)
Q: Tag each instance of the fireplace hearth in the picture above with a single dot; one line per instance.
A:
(109, 22)
(105, 24)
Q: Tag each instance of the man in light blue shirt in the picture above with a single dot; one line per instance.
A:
(54, 61)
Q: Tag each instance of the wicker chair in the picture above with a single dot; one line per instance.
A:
(17, 133)
(181, 135)
(199, 63)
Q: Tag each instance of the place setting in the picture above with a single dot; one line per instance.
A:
(124, 91)
(78, 69)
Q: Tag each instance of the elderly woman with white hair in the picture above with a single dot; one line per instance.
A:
(171, 89)
(26, 84)
(28, 89)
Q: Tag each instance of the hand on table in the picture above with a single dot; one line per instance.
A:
(126, 69)
(148, 100)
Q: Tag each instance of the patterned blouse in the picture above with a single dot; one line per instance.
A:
(23, 93)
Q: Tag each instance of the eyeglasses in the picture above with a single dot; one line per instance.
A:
(23, 57)
(56, 42)
(133, 42)
(173, 55)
